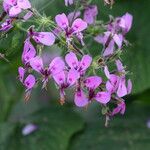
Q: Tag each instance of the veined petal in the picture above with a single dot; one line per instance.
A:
(85, 62)
(103, 97)
(57, 65)
(14, 11)
(118, 40)
(93, 82)
(37, 64)
(79, 25)
(60, 78)
(46, 38)
(80, 99)
(73, 75)
(110, 49)
(122, 89)
(10, 2)
(30, 82)
(72, 60)
(21, 72)
(62, 21)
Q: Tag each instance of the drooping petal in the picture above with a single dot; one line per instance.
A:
(28, 52)
(21, 72)
(28, 15)
(122, 89)
(119, 65)
(24, 4)
(129, 87)
(126, 22)
(78, 25)
(46, 38)
(85, 62)
(60, 78)
(73, 15)
(37, 64)
(30, 82)
(92, 82)
(80, 99)
(62, 21)
(72, 60)
(106, 71)
(73, 75)
(14, 11)
(110, 49)
(118, 40)
(57, 65)
(103, 97)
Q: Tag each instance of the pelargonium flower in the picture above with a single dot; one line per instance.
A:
(45, 38)
(6, 26)
(115, 34)
(15, 7)
(90, 14)
(121, 107)
(117, 82)
(91, 84)
(75, 28)
(80, 66)
(64, 80)
(56, 66)
(69, 2)
(30, 80)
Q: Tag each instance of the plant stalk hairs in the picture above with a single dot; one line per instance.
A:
(100, 78)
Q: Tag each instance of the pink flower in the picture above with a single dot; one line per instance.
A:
(76, 27)
(15, 7)
(121, 107)
(80, 66)
(65, 80)
(91, 84)
(90, 14)
(45, 38)
(29, 82)
(56, 66)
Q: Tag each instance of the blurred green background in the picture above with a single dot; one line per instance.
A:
(67, 127)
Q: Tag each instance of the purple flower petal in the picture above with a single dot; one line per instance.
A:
(72, 60)
(21, 72)
(93, 82)
(14, 11)
(30, 82)
(37, 64)
(73, 75)
(62, 21)
(103, 97)
(24, 4)
(28, 129)
(80, 99)
(122, 89)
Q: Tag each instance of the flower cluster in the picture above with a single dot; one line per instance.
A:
(90, 78)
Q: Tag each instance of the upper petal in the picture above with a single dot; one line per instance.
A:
(46, 38)
(79, 25)
(73, 75)
(62, 21)
(72, 60)
(37, 64)
(57, 65)
(93, 82)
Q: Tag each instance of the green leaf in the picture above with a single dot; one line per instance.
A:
(56, 126)
(128, 132)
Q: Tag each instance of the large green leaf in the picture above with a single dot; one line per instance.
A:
(56, 126)
(129, 132)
